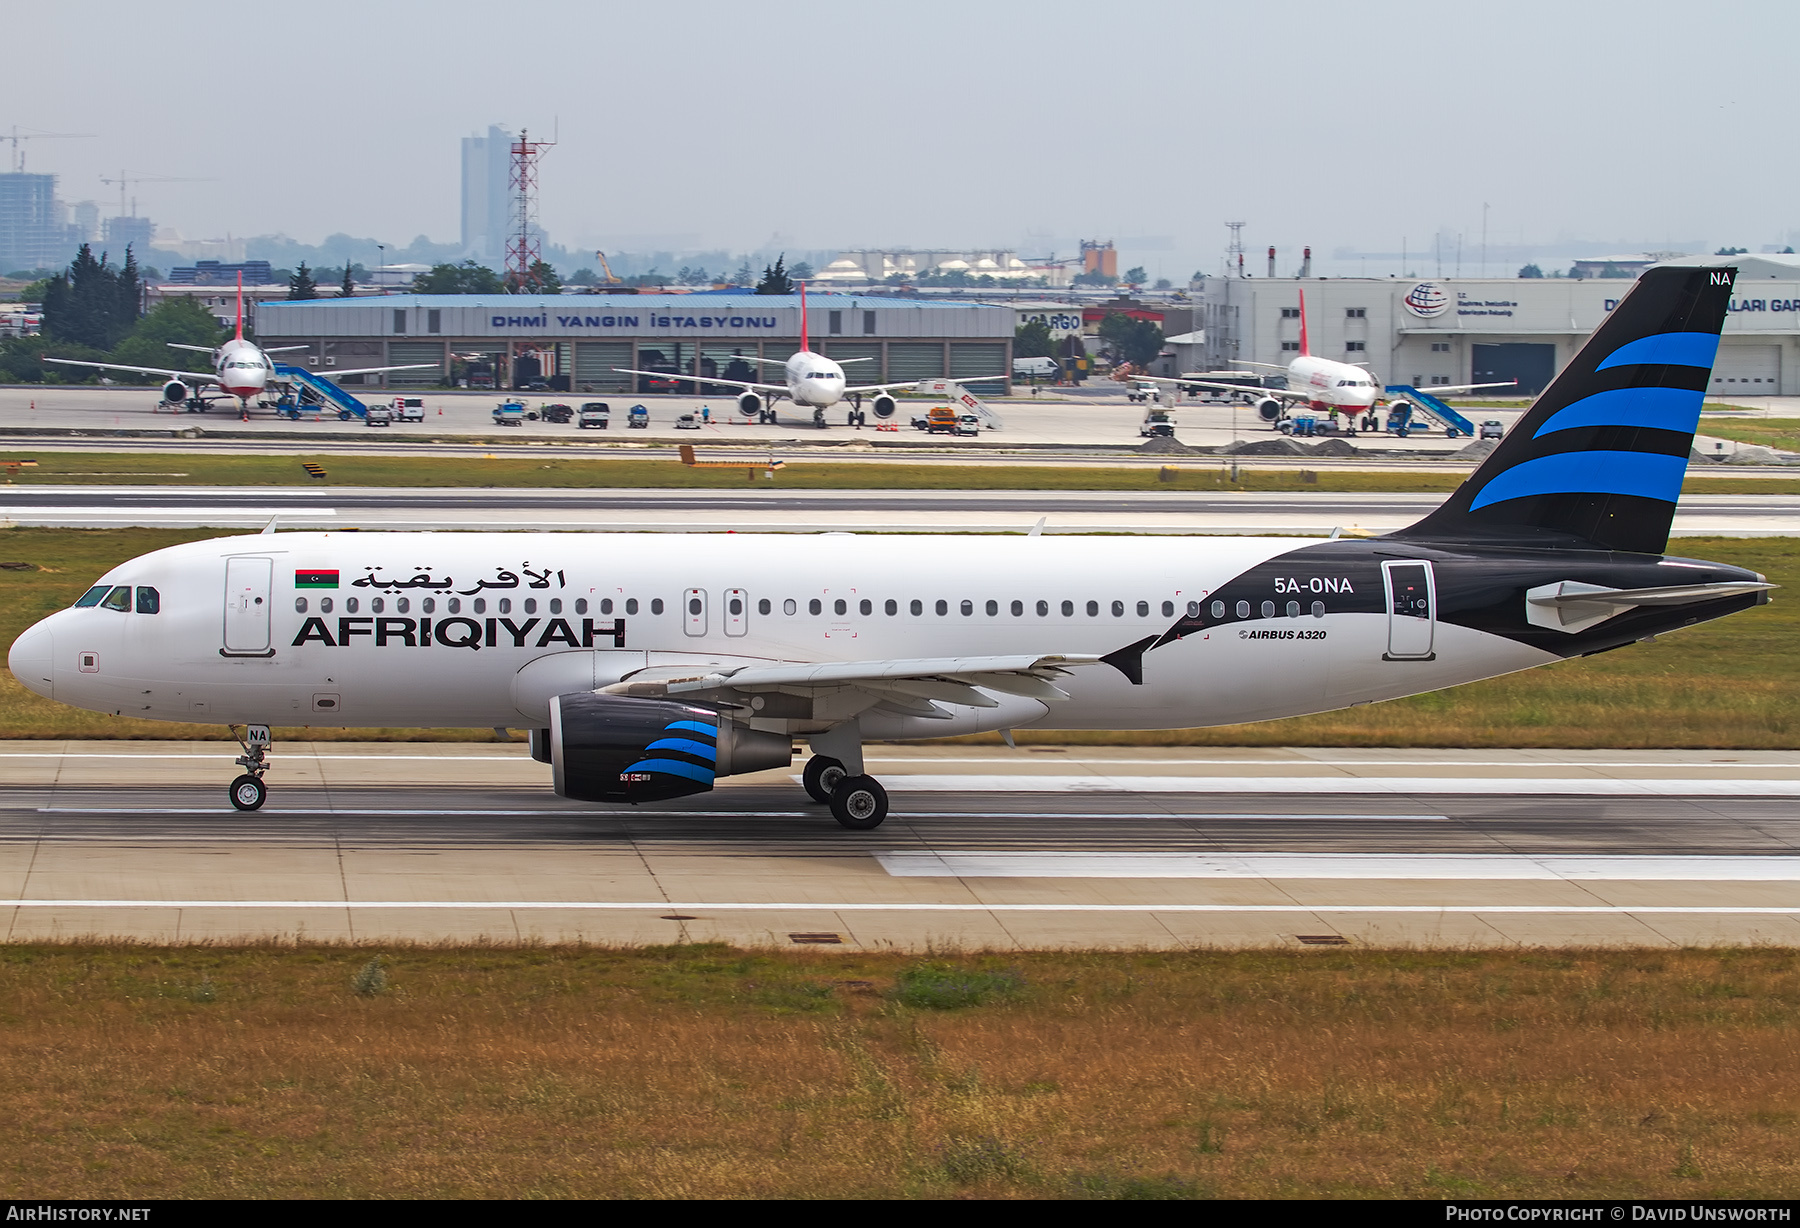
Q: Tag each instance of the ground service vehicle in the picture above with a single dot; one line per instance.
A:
(509, 413)
(594, 414)
(555, 413)
(1036, 368)
(409, 409)
(637, 418)
(1158, 422)
(379, 415)
(1493, 429)
(687, 422)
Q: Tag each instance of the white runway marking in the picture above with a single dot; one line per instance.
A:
(1454, 866)
(223, 812)
(663, 906)
(1575, 786)
(16, 512)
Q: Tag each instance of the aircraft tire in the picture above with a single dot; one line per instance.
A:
(248, 792)
(820, 777)
(859, 803)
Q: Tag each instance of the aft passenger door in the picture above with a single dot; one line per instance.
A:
(1412, 610)
(737, 612)
(247, 603)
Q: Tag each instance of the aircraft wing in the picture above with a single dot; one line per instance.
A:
(1435, 389)
(197, 377)
(1286, 393)
(333, 374)
(907, 687)
(705, 379)
(917, 384)
(198, 349)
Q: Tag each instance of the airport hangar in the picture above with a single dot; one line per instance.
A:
(1464, 331)
(576, 340)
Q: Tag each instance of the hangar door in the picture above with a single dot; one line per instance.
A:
(1747, 369)
(1533, 365)
(594, 363)
(405, 353)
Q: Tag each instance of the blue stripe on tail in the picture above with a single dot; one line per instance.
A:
(1648, 475)
(1667, 409)
(1665, 349)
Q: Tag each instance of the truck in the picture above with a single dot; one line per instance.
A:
(409, 409)
(1158, 422)
(945, 420)
(596, 414)
(555, 413)
(509, 413)
(379, 415)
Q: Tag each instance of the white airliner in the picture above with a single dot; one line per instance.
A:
(647, 666)
(241, 368)
(809, 379)
(1322, 384)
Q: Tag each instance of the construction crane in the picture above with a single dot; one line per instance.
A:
(18, 155)
(124, 181)
(611, 278)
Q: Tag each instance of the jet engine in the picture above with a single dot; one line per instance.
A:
(885, 406)
(615, 748)
(749, 404)
(175, 392)
(1269, 409)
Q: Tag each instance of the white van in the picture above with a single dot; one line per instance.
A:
(1036, 368)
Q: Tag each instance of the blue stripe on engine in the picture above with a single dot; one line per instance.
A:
(1665, 349)
(711, 731)
(674, 767)
(1646, 474)
(699, 750)
(1668, 409)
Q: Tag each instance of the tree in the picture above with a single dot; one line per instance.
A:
(1032, 340)
(347, 287)
(745, 274)
(1575, 272)
(129, 290)
(90, 304)
(465, 278)
(181, 320)
(1731, 251)
(1531, 270)
(301, 285)
(775, 279)
(802, 271)
(1137, 341)
(1163, 283)
(543, 278)
(1096, 278)
(584, 276)
(1136, 276)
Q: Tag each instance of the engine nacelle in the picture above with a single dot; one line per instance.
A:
(616, 748)
(885, 406)
(1269, 409)
(749, 404)
(175, 392)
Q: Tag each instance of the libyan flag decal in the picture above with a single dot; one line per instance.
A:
(316, 579)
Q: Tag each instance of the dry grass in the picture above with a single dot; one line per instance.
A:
(706, 1072)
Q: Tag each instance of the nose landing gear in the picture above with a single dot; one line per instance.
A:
(248, 792)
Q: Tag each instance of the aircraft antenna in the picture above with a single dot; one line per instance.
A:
(524, 247)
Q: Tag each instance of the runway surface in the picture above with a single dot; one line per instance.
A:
(1041, 847)
(775, 510)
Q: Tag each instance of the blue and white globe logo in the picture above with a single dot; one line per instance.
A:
(1426, 300)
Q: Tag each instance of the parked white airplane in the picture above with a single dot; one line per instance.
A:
(809, 379)
(241, 368)
(1323, 384)
(647, 666)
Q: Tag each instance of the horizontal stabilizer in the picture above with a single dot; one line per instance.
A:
(1572, 606)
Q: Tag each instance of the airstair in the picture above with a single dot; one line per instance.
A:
(321, 391)
(965, 401)
(1429, 406)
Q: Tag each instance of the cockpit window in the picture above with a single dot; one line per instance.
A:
(92, 596)
(118, 599)
(149, 601)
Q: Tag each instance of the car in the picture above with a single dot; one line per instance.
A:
(595, 414)
(409, 409)
(379, 415)
(1493, 428)
(1036, 368)
(556, 413)
(687, 422)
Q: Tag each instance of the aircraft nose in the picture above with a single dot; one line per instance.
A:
(30, 660)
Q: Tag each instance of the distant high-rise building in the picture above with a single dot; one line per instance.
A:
(486, 209)
(33, 234)
(133, 232)
(87, 221)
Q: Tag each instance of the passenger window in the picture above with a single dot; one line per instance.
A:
(299, 605)
(555, 605)
(1018, 609)
(403, 605)
(694, 605)
(429, 606)
(630, 605)
(1043, 609)
(91, 597)
(917, 606)
(814, 606)
(967, 607)
(1268, 609)
(1318, 609)
(605, 605)
(943, 607)
(530, 605)
(992, 607)
(1118, 609)
(1243, 609)
(788, 606)
(580, 605)
(1144, 609)
(480, 605)
(455, 605)
(734, 607)
(890, 606)
(840, 606)
(865, 606)
(1169, 609)
(119, 599)
(1293, 609)
(1093, 608)
(378, 604)
(1068, 608)
(656, 605)
(325, 605)
(762, 605)
(1218, 609)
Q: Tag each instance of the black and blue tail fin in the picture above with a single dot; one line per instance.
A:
(1600, 456)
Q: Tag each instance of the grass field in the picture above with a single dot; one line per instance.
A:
(133, 468)
(707, 1072)
(1733, 683)
(1783, 433)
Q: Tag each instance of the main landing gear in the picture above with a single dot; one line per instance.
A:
(857, 802)
(248, 792)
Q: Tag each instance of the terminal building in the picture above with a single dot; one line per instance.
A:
(1466, 331)
(572, 343)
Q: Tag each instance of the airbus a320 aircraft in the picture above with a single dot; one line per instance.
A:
(1322, 384)
(812, 380)
(241, 368)
(648, 666)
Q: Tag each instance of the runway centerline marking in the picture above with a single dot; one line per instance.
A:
(1433, 866)
(221, 812)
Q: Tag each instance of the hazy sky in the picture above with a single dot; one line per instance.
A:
(938, 122)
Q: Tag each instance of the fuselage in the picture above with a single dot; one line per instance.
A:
(484, 629)
(813, 379)
(243, 369)
(1333, 385)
